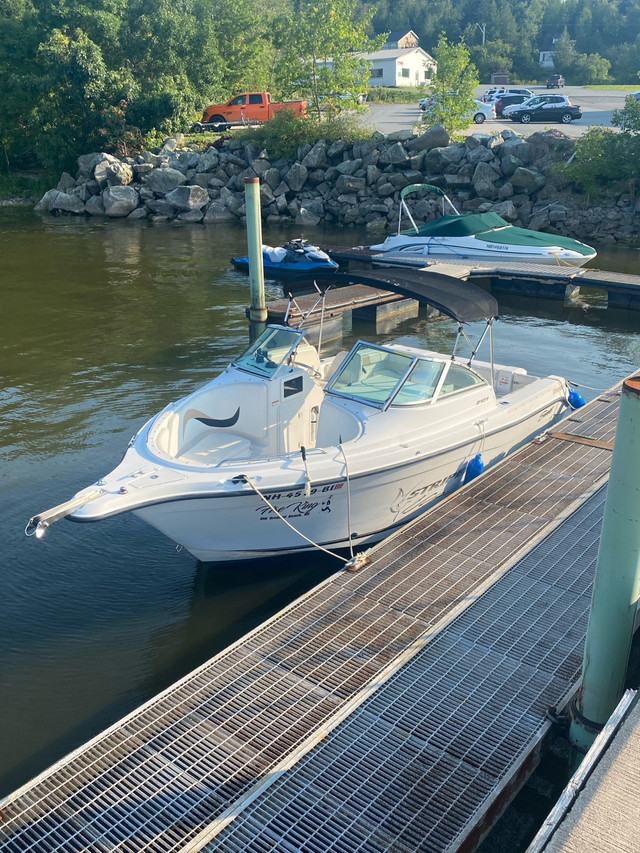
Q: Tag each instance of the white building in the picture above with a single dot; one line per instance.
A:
(408, 66)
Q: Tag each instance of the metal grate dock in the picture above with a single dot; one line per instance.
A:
(388, 709)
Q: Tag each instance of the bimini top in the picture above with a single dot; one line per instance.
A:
(460, 300)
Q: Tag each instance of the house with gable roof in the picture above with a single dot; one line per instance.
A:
(400, 62)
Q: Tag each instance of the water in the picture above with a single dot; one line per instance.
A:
(102, 324)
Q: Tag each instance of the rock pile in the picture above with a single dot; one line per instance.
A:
(347, 183)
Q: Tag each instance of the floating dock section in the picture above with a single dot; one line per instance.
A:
(525, 279)
(397, 708)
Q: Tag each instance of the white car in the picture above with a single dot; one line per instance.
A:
(478, 114)
(556, 100)
(492, 95)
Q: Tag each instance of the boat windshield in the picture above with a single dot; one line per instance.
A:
(381, 377)
(270, 350)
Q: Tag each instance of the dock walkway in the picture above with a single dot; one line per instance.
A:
(398, 708)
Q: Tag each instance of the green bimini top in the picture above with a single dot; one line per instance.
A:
(493, 228)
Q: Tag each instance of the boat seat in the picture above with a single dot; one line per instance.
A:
(216, 445)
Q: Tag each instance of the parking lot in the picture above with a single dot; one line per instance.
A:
(597, 109)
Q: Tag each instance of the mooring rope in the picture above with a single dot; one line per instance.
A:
(295, 530)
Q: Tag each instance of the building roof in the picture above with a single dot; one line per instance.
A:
(396, 35)
(393, 54)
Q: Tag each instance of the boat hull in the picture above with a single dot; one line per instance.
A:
(242, 525)
(418, 256)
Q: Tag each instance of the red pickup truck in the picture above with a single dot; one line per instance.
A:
(247, 108)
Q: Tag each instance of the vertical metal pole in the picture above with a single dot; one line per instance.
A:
(617, 581)
(257, 309)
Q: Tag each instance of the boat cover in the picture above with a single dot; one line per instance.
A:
(484, 225)
(460, 300)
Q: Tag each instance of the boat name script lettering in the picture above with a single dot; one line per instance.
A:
(298, 509)
(404, 503)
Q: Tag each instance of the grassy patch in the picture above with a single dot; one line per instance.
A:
(615, 88)
(26, 186)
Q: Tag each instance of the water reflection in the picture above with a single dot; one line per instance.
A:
(103, 323)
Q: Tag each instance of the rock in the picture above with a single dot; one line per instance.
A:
(217, 212)
(86, 164)
(138, 213)
(119, 201)
(101, 167)
(480, 155)
(44, 204)
(348, 167)
(349, 183)
(317, 156)
(484, 178)
(94, 206)
(188, 198)
(394, 155)
(163, 180)
(401, 135)
(191, 215)
(296, 177)
(66, 202)
(506, 209)
(65, 183)
(118, 174)
(306, 217)
(527, 180)
(434, 137)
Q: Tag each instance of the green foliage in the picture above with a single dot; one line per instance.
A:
(286, 131)
(580, 68)
(317, 58)
(507, 35)
(26, 185)
(452, 86)
(401, 95)
(119, 136)
(606, 159)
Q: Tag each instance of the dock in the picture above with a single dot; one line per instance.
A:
(525, 279)
(598, 810)
(397, 708)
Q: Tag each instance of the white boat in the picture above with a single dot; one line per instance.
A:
(286, 450)
(475, 236)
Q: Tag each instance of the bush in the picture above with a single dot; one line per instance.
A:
(283, 135)
(403, 95)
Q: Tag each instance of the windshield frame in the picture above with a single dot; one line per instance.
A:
(255, 359)
(387, 396)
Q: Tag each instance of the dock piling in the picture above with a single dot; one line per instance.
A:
(257, 309)
(616, 584)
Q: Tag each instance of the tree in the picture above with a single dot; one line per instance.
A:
(607, 159)
(452, 86)
(318, 48)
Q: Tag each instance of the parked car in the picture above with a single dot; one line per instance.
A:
(508, 101)
(544, 108)
(555, 81)
(537, 99)
(632, 96)
(492, 95)
(480, 112)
